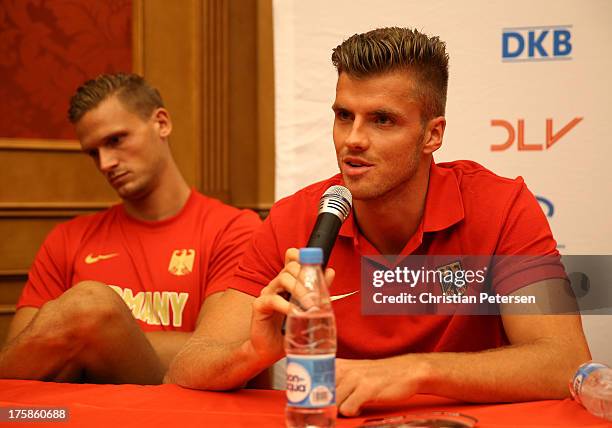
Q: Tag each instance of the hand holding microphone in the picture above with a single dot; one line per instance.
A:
(334, 209)
(270, 307)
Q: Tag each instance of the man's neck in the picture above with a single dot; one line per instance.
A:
(389, 222)
(166, 199)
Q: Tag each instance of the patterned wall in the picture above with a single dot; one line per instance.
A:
(48, 48)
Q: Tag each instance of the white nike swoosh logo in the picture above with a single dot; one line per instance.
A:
(342, 296)
(94, 259)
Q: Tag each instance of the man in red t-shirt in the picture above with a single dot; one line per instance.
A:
(111, 297)
(389, 119)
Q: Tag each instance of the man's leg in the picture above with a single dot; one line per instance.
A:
(87, 334)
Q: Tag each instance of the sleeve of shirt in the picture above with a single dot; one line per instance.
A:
(230, 246)
(262, 261)
(48, 276)
(526, 252)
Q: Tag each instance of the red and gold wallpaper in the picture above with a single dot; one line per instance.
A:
(47, 49)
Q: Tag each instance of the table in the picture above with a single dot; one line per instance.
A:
(172, 406)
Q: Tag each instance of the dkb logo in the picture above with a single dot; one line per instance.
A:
(546, 43)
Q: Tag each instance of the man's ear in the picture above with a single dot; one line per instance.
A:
(434, 133)
(162, 120)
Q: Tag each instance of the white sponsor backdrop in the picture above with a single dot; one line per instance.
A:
(574, 174)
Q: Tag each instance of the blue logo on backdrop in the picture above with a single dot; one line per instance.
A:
(545, 43)
(546, 205)
(549, 210)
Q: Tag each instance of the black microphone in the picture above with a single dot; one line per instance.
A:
(334, 208)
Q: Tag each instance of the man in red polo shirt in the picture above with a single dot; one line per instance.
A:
(389, 119)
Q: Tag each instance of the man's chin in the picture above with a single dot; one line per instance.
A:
(361, 192)
(130, 192)
(368, 191)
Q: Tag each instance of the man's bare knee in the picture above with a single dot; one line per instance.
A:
(90, 306)
(88, 326)
(91, 290)
(115, 350)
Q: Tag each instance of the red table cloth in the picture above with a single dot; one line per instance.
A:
(173, 406)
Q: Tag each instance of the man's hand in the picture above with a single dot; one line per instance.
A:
(272, 306)
(270, 309)
(371, 382)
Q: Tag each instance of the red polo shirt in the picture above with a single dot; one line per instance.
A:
(468, 210)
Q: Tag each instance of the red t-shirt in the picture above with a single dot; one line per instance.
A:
(468, 210)
(163, 270)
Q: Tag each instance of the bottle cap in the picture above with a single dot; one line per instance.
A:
(311, 255)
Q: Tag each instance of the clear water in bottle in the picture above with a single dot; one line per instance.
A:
(592, 387)
(310, 344)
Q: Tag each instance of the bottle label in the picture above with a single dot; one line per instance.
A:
(311, 380)
(581, 374)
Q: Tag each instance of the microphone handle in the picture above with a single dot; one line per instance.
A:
(324, 234)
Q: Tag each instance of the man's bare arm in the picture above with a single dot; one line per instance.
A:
(537, 366)
(545, 350)
(167, 344)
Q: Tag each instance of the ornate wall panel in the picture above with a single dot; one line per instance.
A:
(48, 49)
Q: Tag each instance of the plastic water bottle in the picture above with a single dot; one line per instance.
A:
(592, 387)
(310, 344)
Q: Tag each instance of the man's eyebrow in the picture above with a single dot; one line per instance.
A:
(117, 133)
(105, 137)
(337, 106)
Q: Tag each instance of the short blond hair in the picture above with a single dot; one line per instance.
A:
(131, 89)
(389, 49)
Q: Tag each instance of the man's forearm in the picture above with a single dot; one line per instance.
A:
(221, 354)
(32, 334)
(531, 371)
(21, 358)
(202, 364)
(538, 370)
(546, 351)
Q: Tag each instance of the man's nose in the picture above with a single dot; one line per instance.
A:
(357, 139)
(107, 159)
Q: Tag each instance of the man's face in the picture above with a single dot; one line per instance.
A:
(378, 134)
(126, 149)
